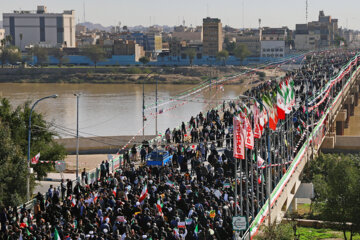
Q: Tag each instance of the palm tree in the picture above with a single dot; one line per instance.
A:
(191, 55)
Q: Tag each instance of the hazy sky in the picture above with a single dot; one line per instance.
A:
(274, 13)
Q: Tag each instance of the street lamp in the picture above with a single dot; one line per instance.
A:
(29, 139)
(77, 134)
(156, 103)
(269, 156)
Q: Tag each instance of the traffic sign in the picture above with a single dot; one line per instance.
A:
(239, 223)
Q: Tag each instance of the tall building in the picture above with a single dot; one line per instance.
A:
(316, 34)
(212, 36)
(40, 28)
(273, 42)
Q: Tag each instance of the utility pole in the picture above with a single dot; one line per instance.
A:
(77, 135)
(156, 109)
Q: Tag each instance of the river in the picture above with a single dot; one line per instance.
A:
(114, 109)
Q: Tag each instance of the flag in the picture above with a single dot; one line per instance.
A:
(161, 111)
(114, 191)
(35, 159)
(144, 193)
(96, 197)
(281, 100)
(260, 161)
(196, 231)
(226, 185)
(181, 225)
(188, 221)
(257, 129)
(159, 206)
(239, 151)
(212, 214)
(273, 119)
(249, 135)
(73, 202)
(56, 235)
(178, 197)
(259, 179)
(170, 183)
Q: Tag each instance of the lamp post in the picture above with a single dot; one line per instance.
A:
(156, 105)
(143, 103)
(269, 156)
(77, 135)
(29, 141)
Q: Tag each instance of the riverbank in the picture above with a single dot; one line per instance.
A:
(126, 75)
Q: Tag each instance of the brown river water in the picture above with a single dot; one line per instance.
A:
(114, 109)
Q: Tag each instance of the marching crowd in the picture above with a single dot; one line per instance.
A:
(191, 198)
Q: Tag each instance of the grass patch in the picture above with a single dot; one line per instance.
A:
(325, 233)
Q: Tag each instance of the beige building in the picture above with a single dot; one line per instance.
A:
(41, 28)
(212, 36)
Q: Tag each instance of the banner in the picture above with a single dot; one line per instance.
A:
(239, 151)
(249, 135)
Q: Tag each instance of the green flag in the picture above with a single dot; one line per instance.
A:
(27, 232)
(197, 229)
(56, 235)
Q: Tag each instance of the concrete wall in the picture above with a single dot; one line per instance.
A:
(94, 145)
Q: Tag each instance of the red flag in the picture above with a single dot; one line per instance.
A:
(249, 135)
(35, 159)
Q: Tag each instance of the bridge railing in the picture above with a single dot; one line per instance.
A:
(313, 142)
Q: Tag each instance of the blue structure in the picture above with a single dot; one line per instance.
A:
(158, 158)
(123, 60)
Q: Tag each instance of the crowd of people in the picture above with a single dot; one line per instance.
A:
(191, 198)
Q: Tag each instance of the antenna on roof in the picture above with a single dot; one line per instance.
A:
(84, 10)
(306, 13)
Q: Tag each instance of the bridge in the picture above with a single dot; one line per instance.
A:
(327, 92)
(327, 134)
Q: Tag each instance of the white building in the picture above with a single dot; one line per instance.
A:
(273, 48)
(40, 27)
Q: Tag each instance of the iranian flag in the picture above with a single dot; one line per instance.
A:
(260, 161)
(159, 206)
(144, 193)
(178, 198)
(281, 100)
(35, 159)
(56, 235)
(73, 202)
(291, 96)
(181, 225)
(170, 184)
(114, 191)
(257, 128)
(96, 197)
(273, 119)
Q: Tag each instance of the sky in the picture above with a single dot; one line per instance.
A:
(236, 13)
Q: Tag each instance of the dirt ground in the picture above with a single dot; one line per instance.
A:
(85, 161)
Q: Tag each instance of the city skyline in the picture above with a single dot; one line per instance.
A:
(161, 12)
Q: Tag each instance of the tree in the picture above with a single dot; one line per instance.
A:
(230, 47)
(9, 54)
(144, 60)
(276, 232)
(13, 169)
(190, 52)
(241, 51)
(94, 53)
(61, 56)
(41, 54)
(336, 182)
(222, 56)
(41, 136)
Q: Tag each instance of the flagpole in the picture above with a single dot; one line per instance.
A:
(269, 156)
